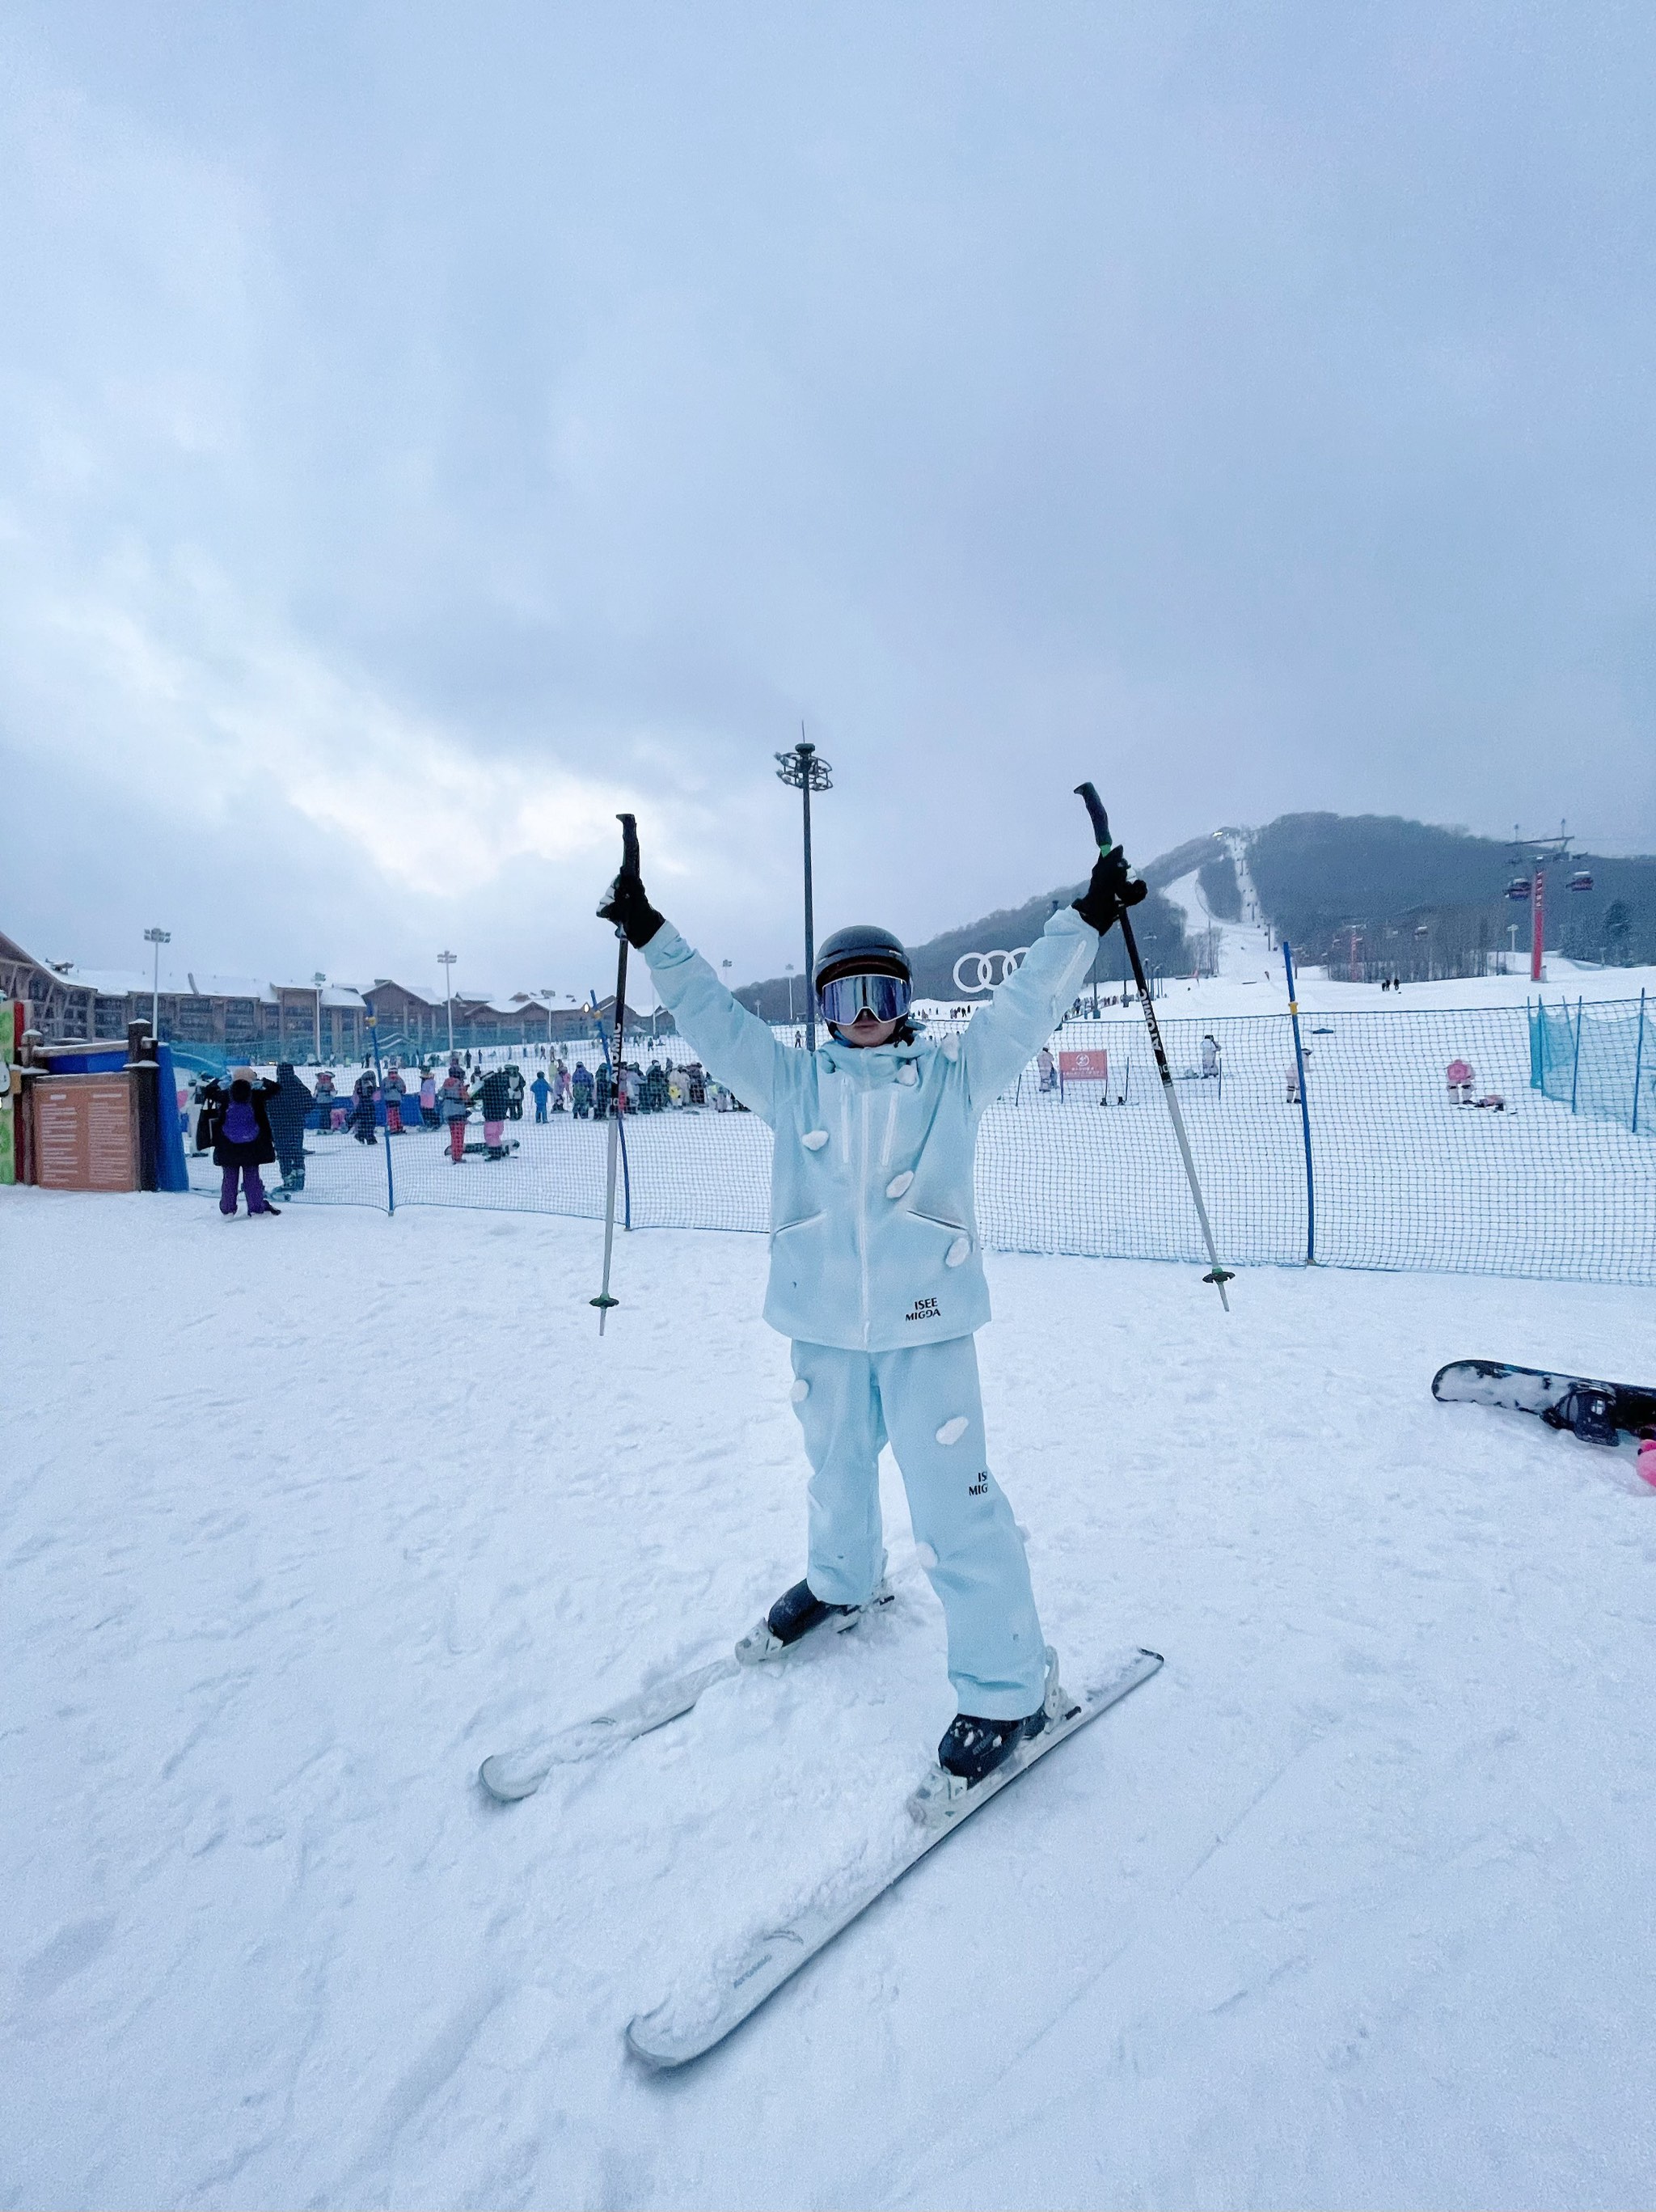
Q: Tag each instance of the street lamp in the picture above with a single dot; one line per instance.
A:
(805, 772)
(318, 979)
(446, 961)
(157, 937)
(790, 975)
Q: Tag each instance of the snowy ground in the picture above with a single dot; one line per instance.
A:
(1351, 1905)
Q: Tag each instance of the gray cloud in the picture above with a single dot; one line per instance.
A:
(423, 434)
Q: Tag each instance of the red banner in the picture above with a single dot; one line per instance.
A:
(1084, 1066)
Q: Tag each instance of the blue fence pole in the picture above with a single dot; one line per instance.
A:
(1638, 1062)
(379, 1084)
(1305, 1114)
(1575, 1066)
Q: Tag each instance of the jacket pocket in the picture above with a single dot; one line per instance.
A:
(793, 1228)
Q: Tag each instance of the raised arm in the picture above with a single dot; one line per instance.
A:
(735, 1045)
(1003, 1037)
(1024, 1012)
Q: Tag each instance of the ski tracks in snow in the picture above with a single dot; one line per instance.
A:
(1350, 1903)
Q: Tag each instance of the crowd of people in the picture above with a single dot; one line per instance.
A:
(399, 1100)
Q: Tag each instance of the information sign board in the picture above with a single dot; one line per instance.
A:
(86, 1133)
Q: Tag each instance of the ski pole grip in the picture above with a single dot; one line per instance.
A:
(629, 843)
(1100, 820)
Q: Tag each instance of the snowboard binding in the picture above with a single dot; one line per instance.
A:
(1588, 1412)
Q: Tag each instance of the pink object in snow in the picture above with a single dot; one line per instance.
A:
(1647, 1460)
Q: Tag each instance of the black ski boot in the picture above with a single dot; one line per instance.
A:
(794, 1615)
(798, 1611)
(974, 1748)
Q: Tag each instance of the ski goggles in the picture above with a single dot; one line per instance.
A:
(885, 997)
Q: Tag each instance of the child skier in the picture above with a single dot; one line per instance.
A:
(876, 1275)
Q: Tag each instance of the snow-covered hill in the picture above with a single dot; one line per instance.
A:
(1352, 1905)
(1250, 978)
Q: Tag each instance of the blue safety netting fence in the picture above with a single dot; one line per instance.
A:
(1597, 1060)
(1438, 1139)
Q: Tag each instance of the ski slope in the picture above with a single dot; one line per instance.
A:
(1352, 1905)
(1251, 979)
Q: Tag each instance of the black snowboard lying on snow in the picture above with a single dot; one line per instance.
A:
(1597, 1413)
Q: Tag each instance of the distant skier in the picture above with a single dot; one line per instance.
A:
(242, 1143)
(1209, 1056)
(580, 1091)
(495, 1095)
(541, 1090)
(875, 1274)
(453, 1105)
(394, 1090)
(287, 1108)
(362, 1113)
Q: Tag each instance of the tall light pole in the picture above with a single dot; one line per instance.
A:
(806, 772)
(318, 979)
(790, 976)
(549, 994)
(157, 937)
(446, 961)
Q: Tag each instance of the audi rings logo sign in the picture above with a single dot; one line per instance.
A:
(990, 968)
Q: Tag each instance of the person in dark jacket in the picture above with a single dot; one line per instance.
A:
(361, 1120)
(290, 1102)
(242, 1143)
(495, 1098)
(514, 1092)
(580, 1091)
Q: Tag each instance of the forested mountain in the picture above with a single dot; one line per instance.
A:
(1411, 893)
(1416, 898)
(1159, 925)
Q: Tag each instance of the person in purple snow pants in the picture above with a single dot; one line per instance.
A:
(243, 1144)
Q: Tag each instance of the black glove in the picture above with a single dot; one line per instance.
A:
(626, 905)
(1112, 889)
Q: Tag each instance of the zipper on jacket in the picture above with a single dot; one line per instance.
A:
(862, 1214)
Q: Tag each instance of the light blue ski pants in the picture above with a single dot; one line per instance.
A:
(926, 1401)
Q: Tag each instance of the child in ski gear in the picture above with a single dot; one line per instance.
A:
(242, 1143)
(361, 1116)
(541, 1090)
(454, 1104)
(495, 1095)
(394, 1090)
(877, 1277)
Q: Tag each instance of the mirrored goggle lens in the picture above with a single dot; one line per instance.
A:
(885, 997)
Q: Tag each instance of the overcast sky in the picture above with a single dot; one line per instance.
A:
(426, 429)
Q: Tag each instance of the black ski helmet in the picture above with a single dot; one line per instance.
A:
(864, 949)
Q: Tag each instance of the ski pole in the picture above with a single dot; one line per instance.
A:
(629, 862)
(1219, 1276)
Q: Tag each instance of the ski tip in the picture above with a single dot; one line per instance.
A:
(498, 1779)
(650, 2049)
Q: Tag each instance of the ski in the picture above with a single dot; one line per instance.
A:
(690, 2022)
(1597, 1413)
(511, 1776)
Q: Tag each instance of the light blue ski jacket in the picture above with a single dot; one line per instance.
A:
(874, 1240)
